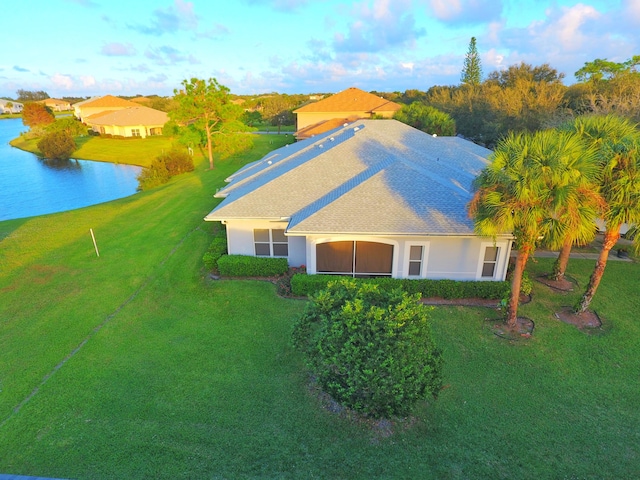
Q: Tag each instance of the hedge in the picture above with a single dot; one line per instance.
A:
(247, 266)
(217, 249)
(305, 285)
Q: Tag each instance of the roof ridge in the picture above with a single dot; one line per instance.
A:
(272, 171)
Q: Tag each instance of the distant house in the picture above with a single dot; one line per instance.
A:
(55, 104)
(9, 106)
(374, 198)
(349, 105)
(137, 121)
(107, 103)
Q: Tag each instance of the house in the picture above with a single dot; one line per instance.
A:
(346, 106)
(55, 104)
(374, 198)
(107, 103)
(9, 106)
(135, 121)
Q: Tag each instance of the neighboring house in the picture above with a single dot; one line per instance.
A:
(55, 104)
(108, 103)
(375, 198)
(137, 121)
(9, 106)
(346, 106)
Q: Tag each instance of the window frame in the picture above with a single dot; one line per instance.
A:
(423, 260)
(497, 263)
(271, 242)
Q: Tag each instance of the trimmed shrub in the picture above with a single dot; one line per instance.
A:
(370, 349)
(57, 145)
(311, 284)
(247, 266)
(217, 249)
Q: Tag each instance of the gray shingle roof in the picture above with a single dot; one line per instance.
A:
(371, 177)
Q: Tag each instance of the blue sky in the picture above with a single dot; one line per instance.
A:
(95, 47)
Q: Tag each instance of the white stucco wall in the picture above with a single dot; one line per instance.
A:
(455, 258)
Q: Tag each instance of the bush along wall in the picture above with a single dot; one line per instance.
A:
(306, 285)
(247, 266)
(217, 249)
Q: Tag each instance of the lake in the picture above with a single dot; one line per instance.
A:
(32, 186)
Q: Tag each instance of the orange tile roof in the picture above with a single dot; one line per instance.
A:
(108, 101)
(349, 100)
(322, 127)
(137, 115)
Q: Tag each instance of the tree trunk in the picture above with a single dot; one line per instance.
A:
(516, 281)
(560, 265)
(611, 236)
(210, 149)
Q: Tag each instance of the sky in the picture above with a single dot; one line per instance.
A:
(83, 48)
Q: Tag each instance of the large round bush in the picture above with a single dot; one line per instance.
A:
(371, 350)
(57, 145)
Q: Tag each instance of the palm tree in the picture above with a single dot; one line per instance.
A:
(529, 179)
(618, 143)
(577, 203)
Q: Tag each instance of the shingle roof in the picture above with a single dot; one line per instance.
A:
(371, 177)
(349, 100)
(137, 115)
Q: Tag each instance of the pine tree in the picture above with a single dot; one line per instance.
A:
(472, 69)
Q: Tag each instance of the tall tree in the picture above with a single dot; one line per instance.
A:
(618, 144)
(571, 219)
(526, 181)
(205, 107)
(472, 69)
(31, 96)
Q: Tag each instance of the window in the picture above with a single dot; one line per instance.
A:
(415, 260)
(135, 132)
(490, 262)
(270, 243)
(359, 259)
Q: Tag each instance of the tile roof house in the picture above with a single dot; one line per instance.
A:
(340, 108)
(137, 121)
(374, 198)
(107, 103)
(55, 104)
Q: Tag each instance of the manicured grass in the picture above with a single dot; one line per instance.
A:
(186, 377)
(134, 151)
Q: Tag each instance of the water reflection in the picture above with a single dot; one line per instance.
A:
(32, 186)
(61, 164)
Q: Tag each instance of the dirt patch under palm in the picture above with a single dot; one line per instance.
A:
(566, 284)
(588, 320)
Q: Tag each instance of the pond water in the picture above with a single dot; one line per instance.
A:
(32, 186)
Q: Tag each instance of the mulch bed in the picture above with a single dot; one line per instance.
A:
(523, 329)
(588, 320)
(565, 285)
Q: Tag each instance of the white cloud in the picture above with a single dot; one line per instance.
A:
(88, 81)
(117, 49)
(384, 25)
(60, 81)
(465, 11)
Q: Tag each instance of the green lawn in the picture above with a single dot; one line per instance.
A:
(136, 365)
(130, 151)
